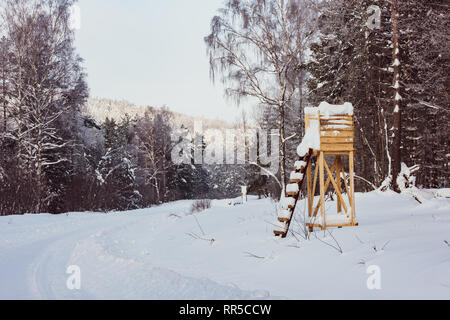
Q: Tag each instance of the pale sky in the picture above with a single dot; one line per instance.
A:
(151, 52)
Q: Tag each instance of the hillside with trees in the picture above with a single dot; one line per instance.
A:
(63, 151)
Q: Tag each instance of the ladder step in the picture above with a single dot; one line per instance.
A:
(279, 233)
(281, 226)
(288, 203)
(299, 165)
(297, 176)
(285, 215)
(292, 189)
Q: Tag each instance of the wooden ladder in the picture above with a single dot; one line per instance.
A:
(292, 195)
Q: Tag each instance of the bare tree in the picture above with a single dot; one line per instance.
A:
(154, 144)
(256, 46)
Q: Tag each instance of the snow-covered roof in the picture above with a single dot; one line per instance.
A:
(327, 109)
(311, 140)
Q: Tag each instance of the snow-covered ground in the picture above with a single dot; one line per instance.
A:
(229, 252)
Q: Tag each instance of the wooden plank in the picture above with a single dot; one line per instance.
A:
(301, 169)
(352, 187)
(337, 139)
(316, 210)
(322, 186)
(343, 134)
(336, 188)
(336, 147)
(339, 117)
(334, 118)
(337, 120)
(291, 194)
(340, 153)
(349, 129)
(307, 121)
(279, 233)
(327, 185)
(309, 118)
(338, 177)
(339, 123)
(309, 189)
(345, 117)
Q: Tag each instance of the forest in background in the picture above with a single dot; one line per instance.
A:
(390, 59)
(62, 152)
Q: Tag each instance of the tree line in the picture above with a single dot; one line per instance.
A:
(389, 58)
(54, 157)
(283, 55)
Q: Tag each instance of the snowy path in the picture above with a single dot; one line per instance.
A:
(153, 253)
(34, 267)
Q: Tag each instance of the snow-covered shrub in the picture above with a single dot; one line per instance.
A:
(201, 205)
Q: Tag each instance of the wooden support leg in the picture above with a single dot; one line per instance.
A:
(322, 188)
(310, 195)
(352, 187)
(338, 178)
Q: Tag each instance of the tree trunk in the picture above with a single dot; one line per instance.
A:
(282, 149)
(4, 93)
(157, 190)
(397, 115)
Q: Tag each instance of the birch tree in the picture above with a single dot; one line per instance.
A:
(46, 87)
(154, 144)
(255, 46)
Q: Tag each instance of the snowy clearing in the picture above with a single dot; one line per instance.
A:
(229, 252)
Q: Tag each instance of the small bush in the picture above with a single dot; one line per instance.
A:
(200, 205)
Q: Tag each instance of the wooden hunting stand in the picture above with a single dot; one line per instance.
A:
(337, 134)
(336, 141)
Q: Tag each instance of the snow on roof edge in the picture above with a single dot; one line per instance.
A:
(327, 109)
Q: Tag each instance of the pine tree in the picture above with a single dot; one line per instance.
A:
(116, 170)
(352, 62)
(425, 74)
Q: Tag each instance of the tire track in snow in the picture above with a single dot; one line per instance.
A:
(46, 275)
(107, 276)
(104, 275)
